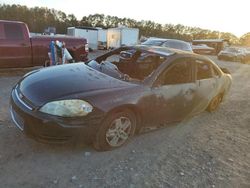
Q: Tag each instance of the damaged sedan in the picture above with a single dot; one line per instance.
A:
(110, 98)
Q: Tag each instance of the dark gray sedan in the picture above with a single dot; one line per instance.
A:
(108, 99)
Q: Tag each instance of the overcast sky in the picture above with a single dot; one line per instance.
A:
(222, 15)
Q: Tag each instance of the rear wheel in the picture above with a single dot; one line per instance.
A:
(214, 103)
(115, 131)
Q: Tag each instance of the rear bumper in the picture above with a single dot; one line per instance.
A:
(53, 129)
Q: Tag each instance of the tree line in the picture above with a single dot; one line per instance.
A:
(39, 18)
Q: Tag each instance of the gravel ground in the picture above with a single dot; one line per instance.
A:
(209, 150)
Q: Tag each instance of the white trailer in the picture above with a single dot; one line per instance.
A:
(102, 38)
(102, 35)
(120, 36)
(89, 33)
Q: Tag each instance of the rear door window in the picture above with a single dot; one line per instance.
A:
(13, 31)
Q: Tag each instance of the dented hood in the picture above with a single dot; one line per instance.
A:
(58, 82)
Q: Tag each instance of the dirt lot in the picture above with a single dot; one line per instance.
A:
(209, 150)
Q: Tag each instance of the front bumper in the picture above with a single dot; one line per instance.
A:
(47, 128)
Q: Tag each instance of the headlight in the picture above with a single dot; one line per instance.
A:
(67, 108)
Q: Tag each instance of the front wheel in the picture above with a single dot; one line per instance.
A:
(115, 131)
(214, 103)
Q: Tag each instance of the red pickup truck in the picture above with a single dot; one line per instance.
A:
(19, 49)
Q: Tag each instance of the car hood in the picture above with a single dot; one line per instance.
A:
(55, 83)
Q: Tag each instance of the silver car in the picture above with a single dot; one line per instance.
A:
(170, 43)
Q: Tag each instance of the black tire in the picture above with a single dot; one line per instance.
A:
(214, 103)
(113, 133)
(47, 63)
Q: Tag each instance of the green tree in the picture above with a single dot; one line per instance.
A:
(39, 18)
(245, 39)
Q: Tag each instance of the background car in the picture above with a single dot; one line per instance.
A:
(232, 54)
(170, 43)
(203, 49)
(246, 52)
(107, 102)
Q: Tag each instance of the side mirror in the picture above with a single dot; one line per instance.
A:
(225, 70)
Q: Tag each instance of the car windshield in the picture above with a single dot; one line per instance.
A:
(129, 65)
